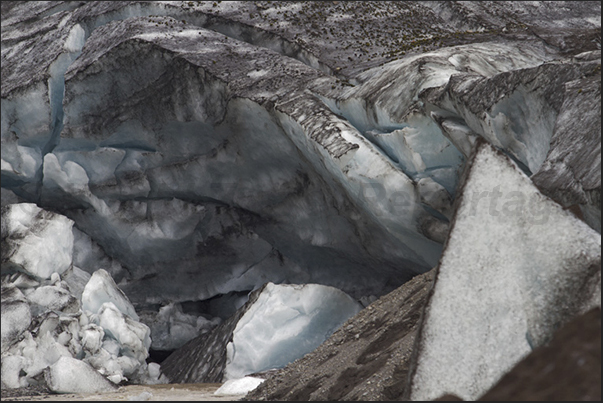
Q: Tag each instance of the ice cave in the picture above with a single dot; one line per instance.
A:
(207, 192)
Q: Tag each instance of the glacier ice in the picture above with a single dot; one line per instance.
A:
(92, 336)
(514, 110)
(516, 267)
(89, 257)
(200, 152)
(12, 365)
(41, 351)
(101, 289)
(171, 328)
(35, 241)
(128, 160)
(133, 337)
(50, 297)
(76, 279)
(212, 167)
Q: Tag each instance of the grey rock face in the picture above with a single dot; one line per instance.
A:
(568, 368)
(516, 267)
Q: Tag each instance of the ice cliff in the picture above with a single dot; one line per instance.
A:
(184, 154)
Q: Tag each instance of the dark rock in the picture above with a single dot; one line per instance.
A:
(568, 368)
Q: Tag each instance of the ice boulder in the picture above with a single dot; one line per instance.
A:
(50, 297)
(277, 325)
(92, 338)
(101, 289)
(42, 322)
(16, 316)
(133, 337)
(40, 352)
(284, 324)
(516, 267)
(35, 241)
(12, 365)
(69, 375)
(117, 346)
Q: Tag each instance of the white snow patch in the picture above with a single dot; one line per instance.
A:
(257, 73)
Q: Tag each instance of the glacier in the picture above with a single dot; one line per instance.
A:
(163, 161)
